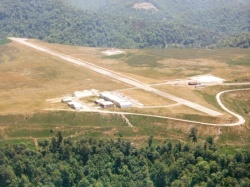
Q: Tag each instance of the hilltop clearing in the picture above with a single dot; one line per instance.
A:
(146, 6)
(33, 84)
(119, 25)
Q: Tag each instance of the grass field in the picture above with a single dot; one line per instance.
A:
(28, 78)
(76, 125)
(4, 41)
(157, 65)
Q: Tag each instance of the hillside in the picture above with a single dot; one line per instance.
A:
(109, 24)
(222, 16)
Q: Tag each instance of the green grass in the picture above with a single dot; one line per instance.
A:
(39, 125)
(143, 61)
(241, 62)
(209, 98)
(4, 41)
(195, 117)
(114, 56)
(230, 150)
(218, 54)
(74, 119)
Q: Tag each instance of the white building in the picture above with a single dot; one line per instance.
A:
(66, 100)
(106, 104)
(207, 79)
(75, 105)
(124, 104)
(98, 101)
(119, 102)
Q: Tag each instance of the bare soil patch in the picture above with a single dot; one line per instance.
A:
(145, 6)
(112, 52)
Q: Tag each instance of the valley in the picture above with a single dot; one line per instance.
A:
(129, 93)
(35, 77)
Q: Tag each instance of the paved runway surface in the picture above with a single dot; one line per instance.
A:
(118, 76)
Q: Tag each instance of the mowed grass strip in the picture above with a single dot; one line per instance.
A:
(62, 118)
(42, 125)
(94, 125)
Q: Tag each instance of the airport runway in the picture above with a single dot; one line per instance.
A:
(118, 76)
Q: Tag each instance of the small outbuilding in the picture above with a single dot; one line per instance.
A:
(106, 104)
(124, 104)
(66, 100)
(118, 101)
(98, 101)
(75, 105)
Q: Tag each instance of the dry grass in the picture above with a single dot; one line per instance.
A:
(146, 98)
(28, 78)
(167, 64)
(187, 92)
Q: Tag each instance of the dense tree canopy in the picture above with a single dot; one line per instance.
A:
(55, 21)
(227, 16)
(90, 162)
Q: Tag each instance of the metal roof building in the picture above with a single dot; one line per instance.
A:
(119, 102)
(124, 104)
(106, 104)
(98, 101)
(66, 100)
(75, 105)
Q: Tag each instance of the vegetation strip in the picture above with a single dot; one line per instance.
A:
(117, 162)
(240, 122)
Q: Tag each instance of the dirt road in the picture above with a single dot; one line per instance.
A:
(241, 120)
(118, 76)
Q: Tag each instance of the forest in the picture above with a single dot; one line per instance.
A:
(218, 15)
(109, 162)
(115, 24)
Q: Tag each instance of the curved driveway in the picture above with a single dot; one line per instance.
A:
(241, 120)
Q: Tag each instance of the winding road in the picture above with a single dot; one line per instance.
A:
(240, 121)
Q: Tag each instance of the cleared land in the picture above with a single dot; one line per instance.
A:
(29, 78)
(159, 65)
(118, 76)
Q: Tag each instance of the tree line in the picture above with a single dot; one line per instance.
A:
(91, 162)
(54, 21)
